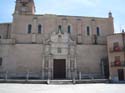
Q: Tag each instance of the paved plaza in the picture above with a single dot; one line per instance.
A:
(78, 88)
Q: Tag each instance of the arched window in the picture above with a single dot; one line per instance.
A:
(60, 28)
(39, 29)
(98, 31)
(29, 28)
(1, 61)
(88, 30)
(69, 29)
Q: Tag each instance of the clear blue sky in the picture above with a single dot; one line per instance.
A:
(97, 8)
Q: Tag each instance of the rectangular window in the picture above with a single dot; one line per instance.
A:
(117, 61)
(59, 50)
(117, 58)
(1, 61)
(115, 44)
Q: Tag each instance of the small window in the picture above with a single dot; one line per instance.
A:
(69, 29)
(88, 31)
(117, 58)
(39, 29)
(0, 36)
(116, 44)
(59, 50)
(1, 61)
(60, 28)
(98, 31)
(117, 61)
(29, 28)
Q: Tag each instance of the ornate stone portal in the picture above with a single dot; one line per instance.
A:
(59, 56)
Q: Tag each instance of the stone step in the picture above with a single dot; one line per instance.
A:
(60, 82)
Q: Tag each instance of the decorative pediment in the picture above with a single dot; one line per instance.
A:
(60, 37)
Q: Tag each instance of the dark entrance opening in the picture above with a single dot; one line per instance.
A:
(59, 69)
(121, 74)
(105, 67)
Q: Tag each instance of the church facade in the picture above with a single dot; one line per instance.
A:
(54, 46)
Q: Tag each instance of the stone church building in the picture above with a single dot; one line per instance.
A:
(53, 46)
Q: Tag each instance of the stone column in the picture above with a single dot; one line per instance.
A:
(50, 62)
(50, 67)
(34, 31)
(93, 31)
(64, 25)
(79, 31)
(68, 72)
(43, 68)
(35, 26)
(75, 61)
(6, 75)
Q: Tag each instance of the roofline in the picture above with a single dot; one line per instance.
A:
(116, 34)
(71, 16)
(5, 23)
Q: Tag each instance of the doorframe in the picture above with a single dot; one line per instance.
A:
(65, 68)
(118, 71)
(67, 65)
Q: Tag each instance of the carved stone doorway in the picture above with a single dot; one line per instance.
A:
(59, 69)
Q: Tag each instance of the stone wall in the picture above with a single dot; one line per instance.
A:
(21, 58)
(50, 23)
(5, 30)
(89, 58)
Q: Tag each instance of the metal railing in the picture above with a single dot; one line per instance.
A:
(38, 76)
(121, 64)
(82, 75)
(120, 49)
(25, 75)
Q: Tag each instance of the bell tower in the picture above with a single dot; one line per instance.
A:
(24, 7)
